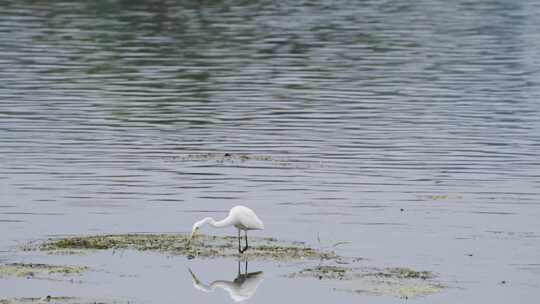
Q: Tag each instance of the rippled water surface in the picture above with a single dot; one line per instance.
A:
(408, 128)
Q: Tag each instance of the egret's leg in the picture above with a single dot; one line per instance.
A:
(245, 248)
(239, 243)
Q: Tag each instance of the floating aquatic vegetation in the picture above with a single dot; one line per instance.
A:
(345, 272)
(400, 282)
(404, 273)
(325, 272)
(224, 157)
(439, 197)
(59, 300)
(44, 271)
(341, 273)
(404, 290)
(241, 159)
(202, 246)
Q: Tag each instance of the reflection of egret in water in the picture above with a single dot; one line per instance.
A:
(240, 289)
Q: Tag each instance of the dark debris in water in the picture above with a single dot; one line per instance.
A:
(203, 246)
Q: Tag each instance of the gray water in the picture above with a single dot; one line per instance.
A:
(408, 128)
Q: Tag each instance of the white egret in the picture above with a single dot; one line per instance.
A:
(240, 217)
(240, 289)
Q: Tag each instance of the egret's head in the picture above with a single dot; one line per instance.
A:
(192, 236)
(194, 230)
(198, 226)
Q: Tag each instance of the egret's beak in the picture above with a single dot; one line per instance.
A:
(193, 233)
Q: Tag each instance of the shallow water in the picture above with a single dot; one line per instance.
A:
(114, 116)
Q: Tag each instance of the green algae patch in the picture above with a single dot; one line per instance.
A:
(43, 271)
(405, 273)
(203, 246)
(60, 300)
(396, 281)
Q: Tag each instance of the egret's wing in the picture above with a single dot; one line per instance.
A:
(248, 219)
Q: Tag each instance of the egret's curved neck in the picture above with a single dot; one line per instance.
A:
(217, 224)
(227, 285)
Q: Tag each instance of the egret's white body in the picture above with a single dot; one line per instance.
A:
(240, 217)
(242, 288)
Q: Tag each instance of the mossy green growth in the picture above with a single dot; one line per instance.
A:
(406, 273)
(39, 270)
(202, 246)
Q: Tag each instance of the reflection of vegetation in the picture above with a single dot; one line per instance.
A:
(192, 51)
(100, 68)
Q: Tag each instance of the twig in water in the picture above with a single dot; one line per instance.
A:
(340, 243)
